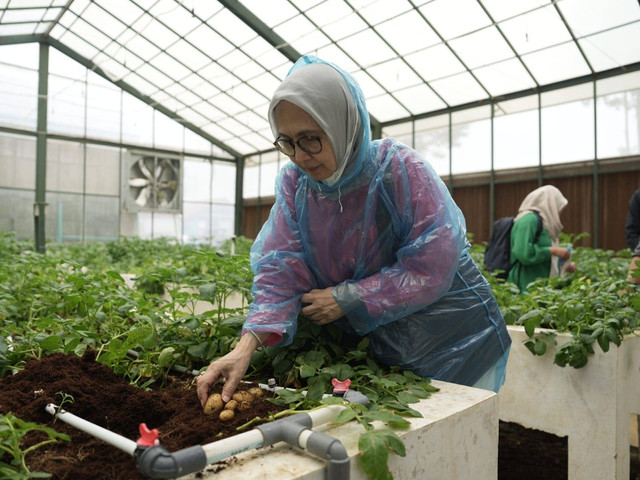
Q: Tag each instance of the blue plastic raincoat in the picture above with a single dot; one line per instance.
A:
(390, 240)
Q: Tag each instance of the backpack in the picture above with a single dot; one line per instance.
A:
(498, 251)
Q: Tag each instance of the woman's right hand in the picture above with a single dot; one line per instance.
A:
(232, 367)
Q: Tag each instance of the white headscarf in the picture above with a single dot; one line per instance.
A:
(548, 201)
(320, 90)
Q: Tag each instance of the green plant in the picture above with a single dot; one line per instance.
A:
(12, 455)
(595, 305)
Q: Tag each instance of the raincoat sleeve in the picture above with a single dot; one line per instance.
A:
(431, 234)
(281, 274)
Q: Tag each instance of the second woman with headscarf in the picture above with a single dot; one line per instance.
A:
(536, 255)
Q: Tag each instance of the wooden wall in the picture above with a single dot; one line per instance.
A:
(616, 181)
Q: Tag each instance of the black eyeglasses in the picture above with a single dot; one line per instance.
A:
(310, 145)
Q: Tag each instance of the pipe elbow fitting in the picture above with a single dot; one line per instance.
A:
(158, 463)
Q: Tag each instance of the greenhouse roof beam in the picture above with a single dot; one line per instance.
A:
(273, 38)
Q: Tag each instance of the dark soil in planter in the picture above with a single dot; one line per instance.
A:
(528, 454)
(108, 400)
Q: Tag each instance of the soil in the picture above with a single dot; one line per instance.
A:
(106, 399)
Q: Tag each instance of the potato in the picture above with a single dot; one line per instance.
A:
(256, 392)
(244, 406)
(213, 404)
(243, 396)
(231, 405)
(226, 415)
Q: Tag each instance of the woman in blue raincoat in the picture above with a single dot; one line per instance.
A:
(364, 233)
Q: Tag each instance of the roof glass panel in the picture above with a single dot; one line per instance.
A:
(90, 34)
(169, 66)
(458, 89)
(408, 33)
(419, 99)
(230, 27)
(188, 55)
(367, 48)
(208, 111)
(378, 11)
(556, 63)
(7, 30)
(20, 15)
(613, 48)
(273, 12)
(591, 16)
(155, 32)
(440, 12)
(504, 77)
(480, 48)
(369, 86)
(106, 22)
(394, 75)
(304, 5)
(337, 56)
(248, 95)
(51, 14)
(435, 62)
(79, 45)
(501, 10)
(535, 30)
(198, 85)
(175, 15)
(212, 43)
(386, 108)
(124, 10)
(302, 34)
(336, 19)
(142, 47)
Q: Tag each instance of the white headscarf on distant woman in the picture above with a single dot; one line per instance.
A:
(548, 201)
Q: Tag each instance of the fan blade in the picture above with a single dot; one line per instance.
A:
(138, 182)
(143, 196)
(144, 169)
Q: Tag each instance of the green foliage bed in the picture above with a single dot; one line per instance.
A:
(596, 304)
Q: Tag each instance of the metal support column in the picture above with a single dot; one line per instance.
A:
(39, 207)
(239, 213)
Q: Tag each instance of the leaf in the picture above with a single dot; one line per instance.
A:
(307, 371)
(314, 359)
(540, 347)
(374, 455)
(166, 356)
(51, 343)
(207, 292)
(344, 416)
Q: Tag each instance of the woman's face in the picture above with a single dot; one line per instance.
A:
(293, 124)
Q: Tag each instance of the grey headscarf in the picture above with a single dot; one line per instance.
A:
(320, 90)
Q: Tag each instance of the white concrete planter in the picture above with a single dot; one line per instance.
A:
(591, 405)
(456, 439)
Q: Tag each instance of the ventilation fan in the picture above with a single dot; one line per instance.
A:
(153, 183)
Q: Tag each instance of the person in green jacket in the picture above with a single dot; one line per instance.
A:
(532, 257)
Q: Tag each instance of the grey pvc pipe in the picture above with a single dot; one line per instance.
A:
(156, 462)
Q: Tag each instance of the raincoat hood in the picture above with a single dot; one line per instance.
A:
(333, 98)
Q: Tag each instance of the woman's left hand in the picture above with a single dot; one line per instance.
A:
(321, 307)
